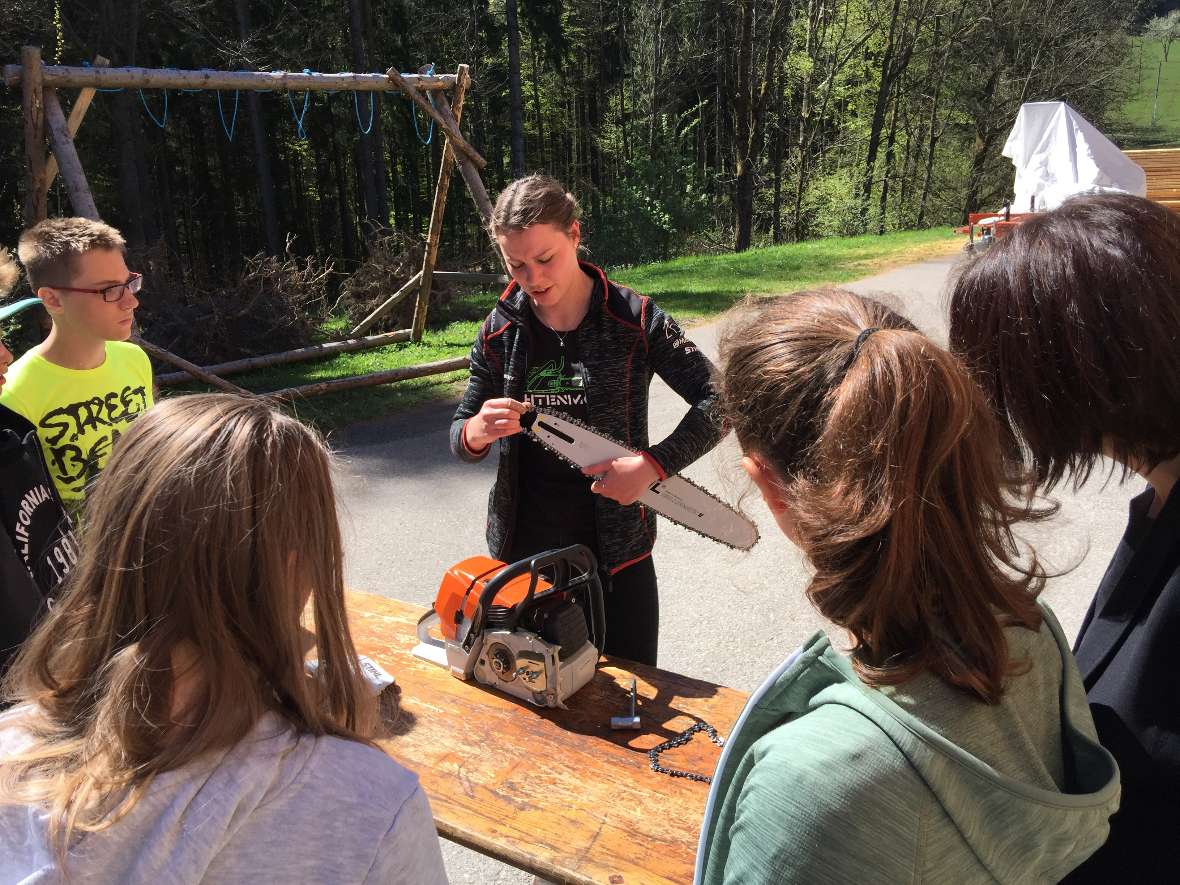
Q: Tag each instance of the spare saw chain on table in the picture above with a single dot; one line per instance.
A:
(581, 445)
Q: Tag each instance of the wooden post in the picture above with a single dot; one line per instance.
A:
(193, 369)
(458, 276)
(36, 202)
(299, 355)
(442, 115)
(463, 78)
(389, 376)
(69, 77)
(388, 305)
(474, 183)
(67, 158)
(77, 112)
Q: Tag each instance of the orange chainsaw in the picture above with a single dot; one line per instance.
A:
(534, 629)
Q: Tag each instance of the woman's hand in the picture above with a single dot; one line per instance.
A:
(622, 479)
(495, 419)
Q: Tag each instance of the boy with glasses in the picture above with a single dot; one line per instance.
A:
(84, 384)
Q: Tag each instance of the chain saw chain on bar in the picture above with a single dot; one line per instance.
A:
(675, 497)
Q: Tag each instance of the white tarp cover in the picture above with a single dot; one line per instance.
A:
(1058, 153)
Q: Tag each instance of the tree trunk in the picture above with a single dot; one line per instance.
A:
(984, 136)
(370, 151)
(932, 142)
(325, 215)
(750, 105)
(802, 141)
(167, 202)
(884, 88)
(209, 261)
(347, 228)
(657, 45)
(515, 102)
(129, 184)
(229, 235)
(779, 138)
(540, 115)
(131, 178)
(890, 141)
(266, 195)
(623, 128)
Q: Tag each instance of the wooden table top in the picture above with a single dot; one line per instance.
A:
(553, 792)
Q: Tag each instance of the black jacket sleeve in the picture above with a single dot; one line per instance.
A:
(678, 361)
(483, 385)
(21, 602)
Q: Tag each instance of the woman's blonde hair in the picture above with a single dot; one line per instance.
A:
(210, 526)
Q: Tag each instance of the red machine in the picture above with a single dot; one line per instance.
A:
(520, 628)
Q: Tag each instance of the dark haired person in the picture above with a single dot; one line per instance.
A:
(37, 544)
(1072, 326)
(565, 338)
(952, 743)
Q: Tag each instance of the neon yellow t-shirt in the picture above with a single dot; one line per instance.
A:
(79, 413)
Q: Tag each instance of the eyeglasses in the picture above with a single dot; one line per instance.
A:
(111, 293)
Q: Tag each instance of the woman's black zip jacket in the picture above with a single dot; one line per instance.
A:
(624, 340)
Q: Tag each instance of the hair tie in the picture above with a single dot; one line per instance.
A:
(856, 346)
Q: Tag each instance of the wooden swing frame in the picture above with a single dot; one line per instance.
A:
(45, 123)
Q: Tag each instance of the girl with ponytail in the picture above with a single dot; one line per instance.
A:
(952, 742)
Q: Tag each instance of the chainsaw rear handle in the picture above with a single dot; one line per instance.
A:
(577, 555)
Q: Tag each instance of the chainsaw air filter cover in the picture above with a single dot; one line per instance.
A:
(464, 583)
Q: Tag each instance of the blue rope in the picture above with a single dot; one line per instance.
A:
(300, 132)
(229, 131)
(414, 114)
(365, 130)
(161, 123)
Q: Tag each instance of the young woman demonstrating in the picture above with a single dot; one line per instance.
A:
(166, 727)
(1071, 326)
(566, 339)
(952, 743)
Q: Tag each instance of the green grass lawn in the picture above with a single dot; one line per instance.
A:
(692, 289)
(702, 286)
(1132, 128)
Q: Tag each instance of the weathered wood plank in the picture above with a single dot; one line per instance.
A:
(434, 232)
(445, 120)
(77, 114)
(553, 792)
(302, 354)
(192, 368)
(32, 96)
(67, 157)
(389, 376)
(68, 76)
(386, 306)
(458, 276)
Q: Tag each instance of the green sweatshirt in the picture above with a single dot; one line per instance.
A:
(825, 779)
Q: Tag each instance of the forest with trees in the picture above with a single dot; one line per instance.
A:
(685, 126)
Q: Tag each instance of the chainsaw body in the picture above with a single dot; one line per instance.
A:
(520, 628)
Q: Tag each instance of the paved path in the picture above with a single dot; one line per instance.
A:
(411, 511)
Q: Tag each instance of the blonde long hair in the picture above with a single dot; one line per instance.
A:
(212, 522)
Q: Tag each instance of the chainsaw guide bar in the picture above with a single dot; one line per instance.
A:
(676, 498)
